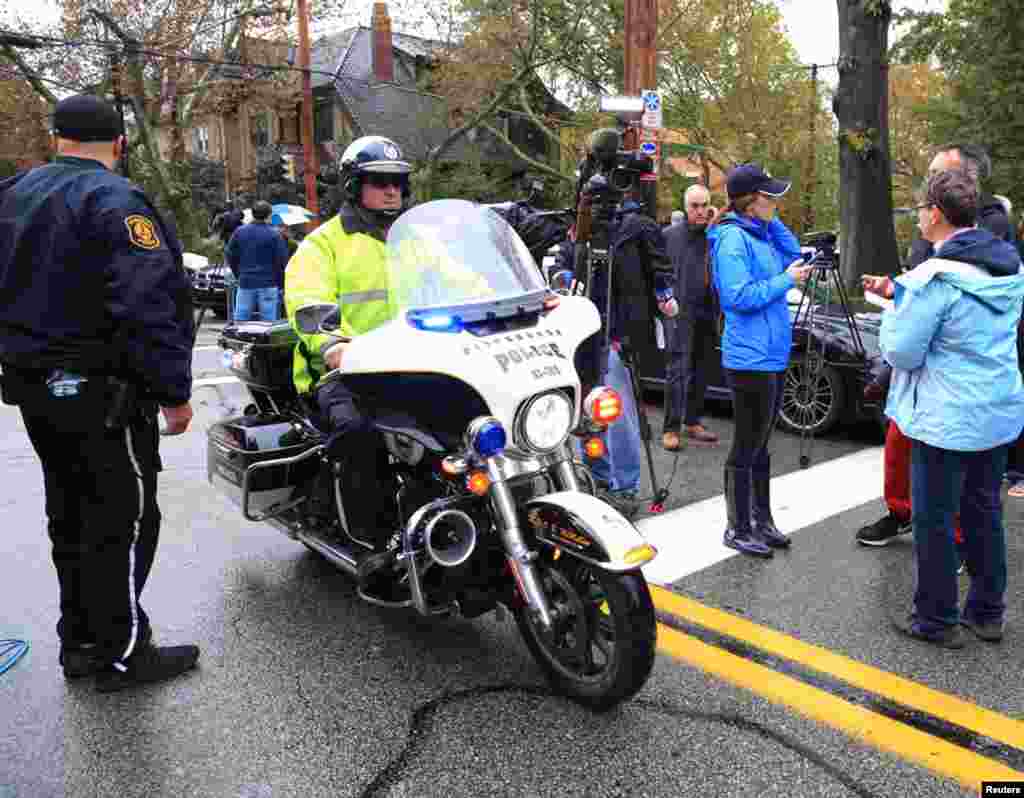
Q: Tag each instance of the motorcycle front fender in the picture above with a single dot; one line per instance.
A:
(587, 528)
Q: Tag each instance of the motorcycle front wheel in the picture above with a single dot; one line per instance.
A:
(600, 650)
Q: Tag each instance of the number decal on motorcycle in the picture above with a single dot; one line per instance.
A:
(547, 371)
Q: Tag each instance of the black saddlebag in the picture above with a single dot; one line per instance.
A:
(263, 463)
(259, 353)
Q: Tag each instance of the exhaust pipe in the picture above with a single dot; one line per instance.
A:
(450, 538)
(330, 551)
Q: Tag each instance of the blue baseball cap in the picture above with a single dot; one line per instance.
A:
(751, 178)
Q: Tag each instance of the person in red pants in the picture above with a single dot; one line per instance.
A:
(896, 489)
(992, 216)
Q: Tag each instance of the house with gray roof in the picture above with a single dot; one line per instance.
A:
(366, 81)
(369, 81)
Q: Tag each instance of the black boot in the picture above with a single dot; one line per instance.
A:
(738, 534)
(762, 521)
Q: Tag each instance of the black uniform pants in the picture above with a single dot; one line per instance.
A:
(354, 443)
(103, 516)
(686, 373)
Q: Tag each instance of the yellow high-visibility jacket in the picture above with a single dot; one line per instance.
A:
(342, 261)
(345, 262)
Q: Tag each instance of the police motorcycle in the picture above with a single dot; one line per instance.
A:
(473, 388)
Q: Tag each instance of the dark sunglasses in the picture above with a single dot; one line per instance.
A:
(382, 180)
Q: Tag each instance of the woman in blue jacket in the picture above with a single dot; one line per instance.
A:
(755, 260)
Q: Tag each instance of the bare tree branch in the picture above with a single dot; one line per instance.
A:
(28, 73)
(538, 165)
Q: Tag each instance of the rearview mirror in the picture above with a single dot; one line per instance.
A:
(313, 319)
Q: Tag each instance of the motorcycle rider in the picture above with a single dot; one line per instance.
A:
(344, 261)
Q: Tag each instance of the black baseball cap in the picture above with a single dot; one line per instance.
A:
(750, 178)
(84, 117)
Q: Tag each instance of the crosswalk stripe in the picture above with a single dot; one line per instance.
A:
(690, 539)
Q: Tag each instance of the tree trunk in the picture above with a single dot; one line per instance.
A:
(867, 234)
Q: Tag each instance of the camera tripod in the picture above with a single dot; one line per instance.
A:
(802, 382)
(601, 260)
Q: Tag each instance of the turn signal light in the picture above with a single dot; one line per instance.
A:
(478, 483)
(638, 555)
(594, 448)
(603, 405)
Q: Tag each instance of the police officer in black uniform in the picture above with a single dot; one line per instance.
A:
(95, 334)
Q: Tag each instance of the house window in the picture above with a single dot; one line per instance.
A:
(323, 122)
(259, 128)
(201, 141)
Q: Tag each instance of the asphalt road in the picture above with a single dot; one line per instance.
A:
(305, 691)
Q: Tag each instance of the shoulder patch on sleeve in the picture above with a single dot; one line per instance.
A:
(142, 231)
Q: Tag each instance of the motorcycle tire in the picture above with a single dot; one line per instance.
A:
(592, 603)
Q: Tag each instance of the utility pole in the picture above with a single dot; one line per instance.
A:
(640, 51)
(312, 168)
(811, 182)
(640, 54)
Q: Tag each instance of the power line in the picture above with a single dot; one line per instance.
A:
(53, 42)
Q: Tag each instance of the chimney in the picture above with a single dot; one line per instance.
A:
(383, 58)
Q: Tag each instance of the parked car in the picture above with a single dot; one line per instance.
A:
(817, 395)
(209, 283)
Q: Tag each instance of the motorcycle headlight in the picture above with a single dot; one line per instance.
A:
(544, 422)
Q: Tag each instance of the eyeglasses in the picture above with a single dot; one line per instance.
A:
(384, 180)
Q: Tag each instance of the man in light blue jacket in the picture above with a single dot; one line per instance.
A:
(956, 392)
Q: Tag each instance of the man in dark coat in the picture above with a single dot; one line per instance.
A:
(640, 271)
(690, 337)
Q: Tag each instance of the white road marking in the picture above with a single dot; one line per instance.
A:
(214, 381)
(206, 349)
(690, 539)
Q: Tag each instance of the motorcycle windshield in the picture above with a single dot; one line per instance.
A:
(462, 257)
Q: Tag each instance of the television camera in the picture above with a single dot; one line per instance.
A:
(606, 175)
(610, 178)
(824, 244)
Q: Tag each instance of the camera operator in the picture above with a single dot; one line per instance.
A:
(755, 261)
(640, 270)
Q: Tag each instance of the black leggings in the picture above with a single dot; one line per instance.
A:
(756, 398)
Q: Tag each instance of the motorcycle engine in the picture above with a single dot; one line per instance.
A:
(404, 449)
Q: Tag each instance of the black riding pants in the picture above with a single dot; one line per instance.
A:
(756, 399)
(356, 445)
(103, 516)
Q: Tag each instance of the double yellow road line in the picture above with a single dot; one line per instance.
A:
(906, 742)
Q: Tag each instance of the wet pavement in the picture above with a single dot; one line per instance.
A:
(303, 690)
